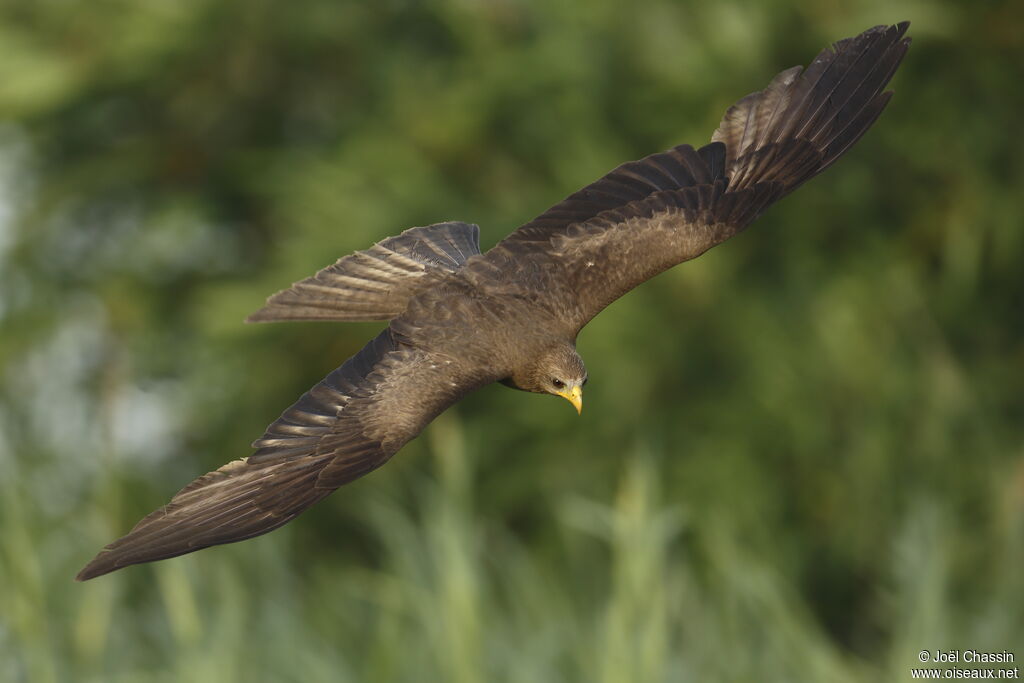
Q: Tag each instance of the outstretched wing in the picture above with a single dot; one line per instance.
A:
(649, 215)
(347, 425)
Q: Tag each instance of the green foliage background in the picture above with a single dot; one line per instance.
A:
(802, 455)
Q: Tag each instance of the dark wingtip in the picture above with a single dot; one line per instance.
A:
(93, 569)
(900, 28)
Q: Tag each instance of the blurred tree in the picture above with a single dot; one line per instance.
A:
(816, 471)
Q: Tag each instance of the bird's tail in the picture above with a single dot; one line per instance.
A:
(806, 119)
(377, 283)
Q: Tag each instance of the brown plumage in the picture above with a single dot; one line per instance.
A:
(460, 319)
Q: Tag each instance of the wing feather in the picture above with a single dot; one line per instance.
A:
(649, 215)
(346, 426)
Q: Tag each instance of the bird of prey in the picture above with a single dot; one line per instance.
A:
(461, 319)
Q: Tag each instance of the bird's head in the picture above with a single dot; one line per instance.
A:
(559, 371)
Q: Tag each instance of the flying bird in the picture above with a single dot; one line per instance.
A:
(461, 319)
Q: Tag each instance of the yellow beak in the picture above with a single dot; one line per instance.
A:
(575, 397)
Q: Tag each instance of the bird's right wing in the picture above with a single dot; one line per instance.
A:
(649, 215)
(347, 425)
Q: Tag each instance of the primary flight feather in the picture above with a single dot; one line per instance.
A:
(460, 319)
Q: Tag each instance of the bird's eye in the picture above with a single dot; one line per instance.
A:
(558, 384)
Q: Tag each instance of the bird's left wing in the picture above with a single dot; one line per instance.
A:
(347, 425)
(649, 215)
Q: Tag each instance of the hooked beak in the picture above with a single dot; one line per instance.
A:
(575, 397)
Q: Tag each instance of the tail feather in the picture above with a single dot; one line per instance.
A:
(377, 283)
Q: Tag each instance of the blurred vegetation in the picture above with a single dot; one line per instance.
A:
(802, 457)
